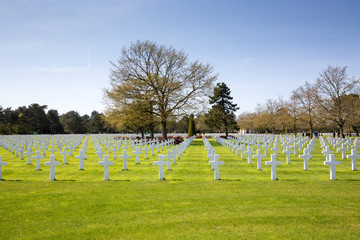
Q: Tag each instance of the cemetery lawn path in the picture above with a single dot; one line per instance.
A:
(189, 204)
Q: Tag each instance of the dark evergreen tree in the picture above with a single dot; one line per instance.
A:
(96, 123)
(54, 119)
(11, 119)
(2, 121)
(182, 125)
(85, 122)
(221, 116)
(72, 122)
(191, 131)
(38, 120)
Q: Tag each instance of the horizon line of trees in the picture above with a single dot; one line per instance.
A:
(330, 104)
(33, 119)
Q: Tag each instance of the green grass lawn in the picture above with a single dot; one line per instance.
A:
(189, 204)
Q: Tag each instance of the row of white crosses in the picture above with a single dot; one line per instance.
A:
(354, 154)
(17, 143)
(231, 145)
(172, 155)
(258, 156)
(138, 146)
(345, 145)
(41, 146)
(38, 142)
(289, 142)
(213, 158)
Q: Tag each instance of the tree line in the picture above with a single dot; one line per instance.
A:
(34, 119)
(329, 104)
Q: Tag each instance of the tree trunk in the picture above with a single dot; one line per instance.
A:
(152, 132)
(142, 133)
(163, 127)
(226, 132)
(341, 131)
(356, 130)
(295, 133)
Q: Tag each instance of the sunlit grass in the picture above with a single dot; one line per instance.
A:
(189, 204)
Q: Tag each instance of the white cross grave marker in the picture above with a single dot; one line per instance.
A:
(168, 157)
(52, 165)
(21, 150)
(215, 164)
(137, 152)
(275, 149)
(306, 156)
(100, 153)
(273, 164)
(52, 149)
(28, 154)
(242, 148)
(113, 149)
(327, 153)
(1, 164)
(332, 163)
(161, 163)
(173, 155)
(124, 158)
(146, 149)
(287, 151)
(38, 157)
(343, 151)
(106, 164)
(64, 153)
(249, 152)
(258, 156)
(81, 158)
(354, 155)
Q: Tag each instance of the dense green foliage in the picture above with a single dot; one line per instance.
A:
(34, 119)
(221, 116)
(189, 204)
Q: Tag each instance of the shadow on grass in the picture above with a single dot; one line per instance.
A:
(110, 180)
(14, 180)
(349, 179)
(176, 180)
(229, 180)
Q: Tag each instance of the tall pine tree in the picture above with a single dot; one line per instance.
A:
(221, 116)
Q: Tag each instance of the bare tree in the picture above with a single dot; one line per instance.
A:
(354, 121)
(294, 112)
(272, 108)
(332, 90)
(305, 96)
(164, 75)
(246, 122)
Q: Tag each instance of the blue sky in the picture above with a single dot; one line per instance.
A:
(57, 52)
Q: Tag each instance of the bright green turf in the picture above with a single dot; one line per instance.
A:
(244, 204)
